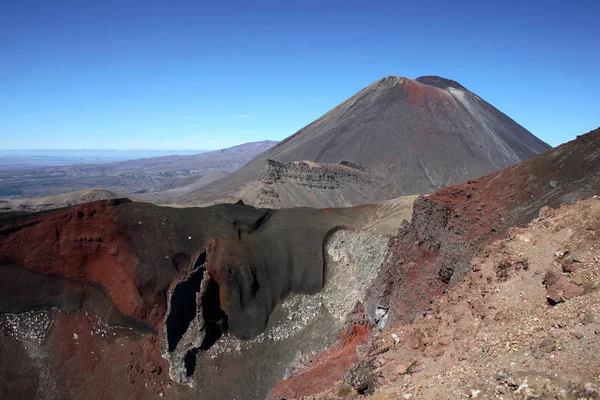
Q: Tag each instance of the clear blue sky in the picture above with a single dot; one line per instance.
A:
(155, 75)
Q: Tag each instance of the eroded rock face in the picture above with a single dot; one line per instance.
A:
(324, 176)
(432, 252)
(354, 260)
(310, 184)
(186, 328)
(195, 320)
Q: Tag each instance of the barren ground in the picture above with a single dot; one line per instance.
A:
(524, 323)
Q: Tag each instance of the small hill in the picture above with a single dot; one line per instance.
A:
(59, 200)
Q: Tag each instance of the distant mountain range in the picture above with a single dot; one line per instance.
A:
(45, 158)
(154, 178)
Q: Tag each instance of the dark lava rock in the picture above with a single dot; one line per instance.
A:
(559, 288)
(363, 377)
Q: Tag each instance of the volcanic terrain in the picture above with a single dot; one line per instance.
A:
(118, 299)
(305, 183)
(406, 136)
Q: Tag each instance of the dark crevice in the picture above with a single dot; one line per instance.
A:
(215, 319)
(182, 304)
(190, 362)
(195, 297)
(200, 261)
(194, 315)
(255, 286)
(363, 390)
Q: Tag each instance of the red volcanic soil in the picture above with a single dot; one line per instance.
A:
(112, 358)
(513, 196)
(119, 260)
(83, 243)
(81, 357)
(327, 366)
(449, 227)
(423, 95)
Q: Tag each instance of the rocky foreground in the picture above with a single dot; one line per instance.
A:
(523, 323)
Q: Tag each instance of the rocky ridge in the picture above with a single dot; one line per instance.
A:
(310, 184)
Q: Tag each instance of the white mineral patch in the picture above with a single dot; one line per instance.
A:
(354, 260)
(30, 327)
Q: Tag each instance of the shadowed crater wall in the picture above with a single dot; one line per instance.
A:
(246, 262)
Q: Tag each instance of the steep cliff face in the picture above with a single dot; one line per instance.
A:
(417, 135)
(310, 184)
(449, 227)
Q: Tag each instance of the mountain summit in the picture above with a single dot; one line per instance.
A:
(416, 135)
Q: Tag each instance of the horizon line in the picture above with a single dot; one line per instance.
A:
(94, 149)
